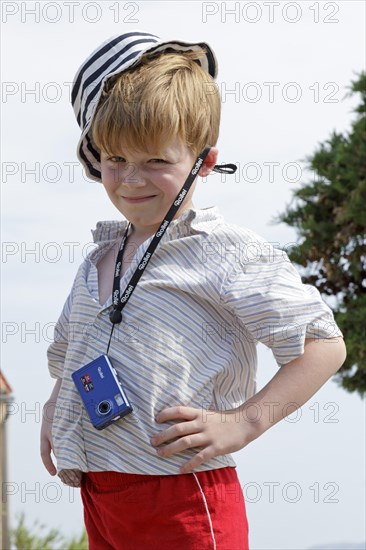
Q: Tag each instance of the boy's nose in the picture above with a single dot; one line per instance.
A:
(132, 176)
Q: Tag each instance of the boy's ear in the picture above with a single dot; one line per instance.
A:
(209, 162)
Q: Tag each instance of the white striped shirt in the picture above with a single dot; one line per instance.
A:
(210, 293)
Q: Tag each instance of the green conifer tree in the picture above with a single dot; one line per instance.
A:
(329, 215)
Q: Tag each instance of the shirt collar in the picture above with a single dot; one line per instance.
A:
(193, 220)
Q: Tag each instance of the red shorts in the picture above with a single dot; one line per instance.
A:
(196, 511)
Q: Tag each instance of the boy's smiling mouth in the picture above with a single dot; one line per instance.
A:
(138, 199)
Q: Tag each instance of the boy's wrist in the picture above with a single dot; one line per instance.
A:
(255, 420)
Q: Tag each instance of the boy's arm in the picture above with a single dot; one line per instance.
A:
(218, 433)
(295, 383)
(55, 392)
(56, 353)
(46, 429)
(71, 477)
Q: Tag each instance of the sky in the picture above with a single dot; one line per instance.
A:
(284, 69)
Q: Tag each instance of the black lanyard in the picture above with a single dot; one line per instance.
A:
(119, 301)
(116, 315)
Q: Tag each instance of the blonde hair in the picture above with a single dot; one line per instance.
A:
(167, 95)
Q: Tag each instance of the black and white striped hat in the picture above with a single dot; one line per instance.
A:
(112, 57)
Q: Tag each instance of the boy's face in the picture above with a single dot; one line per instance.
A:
(142, 186)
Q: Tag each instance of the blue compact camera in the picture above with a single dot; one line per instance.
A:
(103, 396)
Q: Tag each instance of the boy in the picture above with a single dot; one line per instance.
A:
(162, 476)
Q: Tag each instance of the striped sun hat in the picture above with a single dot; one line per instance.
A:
(112, 57)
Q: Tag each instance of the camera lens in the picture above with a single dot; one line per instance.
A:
(104, 407)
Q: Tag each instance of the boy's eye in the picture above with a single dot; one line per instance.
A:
(117, 159)
(121, 159)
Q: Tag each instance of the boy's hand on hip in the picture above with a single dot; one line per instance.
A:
(214, 433)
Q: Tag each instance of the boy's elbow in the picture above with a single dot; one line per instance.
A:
(342, 352)
(338, 352)
(331, 352)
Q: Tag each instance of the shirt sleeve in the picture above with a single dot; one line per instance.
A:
(274, 307)
(56, 352)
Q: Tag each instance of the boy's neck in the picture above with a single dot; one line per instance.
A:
(141, 234)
